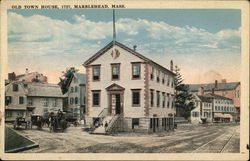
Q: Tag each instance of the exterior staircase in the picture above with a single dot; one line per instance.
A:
(113, 125)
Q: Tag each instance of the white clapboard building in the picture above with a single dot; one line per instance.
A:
(128, 91)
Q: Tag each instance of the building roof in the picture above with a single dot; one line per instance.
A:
(43, 90)
(204, 99)
(107, 47)
(210, 86)
(81, 78)
(215, 96)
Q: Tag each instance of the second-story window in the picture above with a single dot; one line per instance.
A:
(158, 98)
(45, 102)
(76, 89)
(96, 72)
(8, 100)
(115, 71)
(54, 102)
(30, 102)
(76, 100)
(71, 101)
(163, 99)
(21, 100)
(152, 97)
(136, 70)
(72, 90)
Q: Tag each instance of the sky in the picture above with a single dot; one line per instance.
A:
(205, 44)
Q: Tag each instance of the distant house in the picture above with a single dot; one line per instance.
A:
(212, 108)
(128, 91)
(203, 109)
(223, 108)
(25, 98)
(76, 95)
(27, 77)
(226, 89)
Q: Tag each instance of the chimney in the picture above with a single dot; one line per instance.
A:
(212, 90)
(171, 65)
(11, 76)
(216, 84)
(201, 91)
(223, 81)
(134, 47)
(26, 71)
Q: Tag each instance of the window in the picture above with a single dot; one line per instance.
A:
(76, 100)
(135, 122)
(136, 70)
(227, 108)
(163, 99)
(30, 102)
(152, 74)
(168, 81)
(8, 113)
(168, 100)
(71, 101)
(72, 90)
(45, 110)
(21, 100)
(54, 102)
(152, 97)
(163, 81)
(8, 100)
(195, 114)
(238, 94)
(158, 79)
(172, 105)
(96, 72)
(172, 82)
(115, 71)
(158, 98)
(45, 102)
(15, 87)
(136, 97)
(84, 100)
(96, 98)
(76, 89)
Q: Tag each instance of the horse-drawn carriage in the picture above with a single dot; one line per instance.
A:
(58, 122)
(19, 122)
(37, 120)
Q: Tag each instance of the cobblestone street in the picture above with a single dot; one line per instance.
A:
(217, 138)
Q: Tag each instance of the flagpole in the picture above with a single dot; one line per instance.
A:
(114, 32)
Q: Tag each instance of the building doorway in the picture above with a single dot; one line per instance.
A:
(115, 99)
(117, 104)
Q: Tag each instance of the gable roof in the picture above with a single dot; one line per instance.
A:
(79, 76)
(115, 87)
(110, 45)
(210, 86)
(210, 95)
(44, 90)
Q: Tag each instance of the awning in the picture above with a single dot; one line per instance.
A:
(228, 116)
(218, 115)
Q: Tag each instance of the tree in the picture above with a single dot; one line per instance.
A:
(64, 80)
(183, 98)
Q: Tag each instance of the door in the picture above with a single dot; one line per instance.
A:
(117, 104)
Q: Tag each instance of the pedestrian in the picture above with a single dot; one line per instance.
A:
(106, 125)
